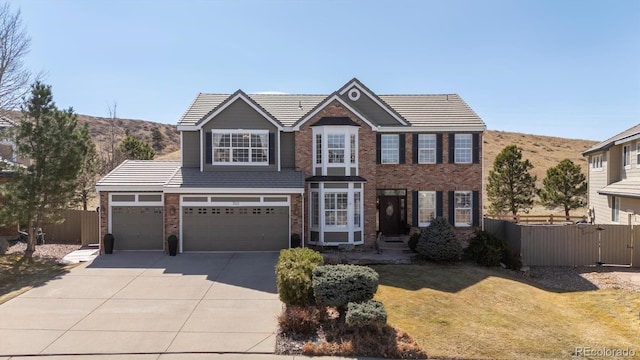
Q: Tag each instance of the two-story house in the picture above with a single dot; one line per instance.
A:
(334, 169)
(614, 178)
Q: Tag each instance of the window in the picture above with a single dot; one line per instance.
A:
(318, 148)
(315, 209)
(389, 153)
(463, 147)
(335, 144)
(335, 209)
(638, 154)
(463, 208)
(426, 207)
(353, 148)
(615, 209)
(427, 149)
(596, 162)
(241, 147)
(356, 209)
(626, 155)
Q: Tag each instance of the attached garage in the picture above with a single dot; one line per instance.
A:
(137, 221)
(257, 223)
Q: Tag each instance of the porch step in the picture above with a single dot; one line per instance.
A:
(394, 244)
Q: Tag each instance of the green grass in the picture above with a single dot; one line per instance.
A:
(467, 311)
(18, 275)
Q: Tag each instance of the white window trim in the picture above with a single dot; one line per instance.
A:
(461, 224)
(351, 227)
(596, 162)
(426, 223)
(456, 149)
(435, 149)
(626, 163)
(638, 154)
(396, 150)
(334, 192)
(324, 132)
(239, 131)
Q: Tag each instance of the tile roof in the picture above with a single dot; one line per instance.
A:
(420, 110)
(193, 178)
(633, 131)
(140, 173)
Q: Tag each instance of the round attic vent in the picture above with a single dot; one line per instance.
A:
(354, 94)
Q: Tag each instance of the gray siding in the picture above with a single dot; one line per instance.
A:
(240, 115)
(372, 111)
(190, 149)
(288, 149)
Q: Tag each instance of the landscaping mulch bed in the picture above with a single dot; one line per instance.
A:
(51, 251)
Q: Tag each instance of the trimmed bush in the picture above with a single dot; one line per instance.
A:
(294, 275)
(338, 285)
(367, 313)
(413, 241)
(439, 243)
(486, 249)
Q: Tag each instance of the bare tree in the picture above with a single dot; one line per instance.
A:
(111, 157)
(15, 78)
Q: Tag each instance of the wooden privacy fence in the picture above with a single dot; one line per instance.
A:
(79, 227)
(570, 245)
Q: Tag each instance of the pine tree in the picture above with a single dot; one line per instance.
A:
(565, 185)
(510, 187)
(51, 139)
(88, 176)
(157, 139)
(133, 148)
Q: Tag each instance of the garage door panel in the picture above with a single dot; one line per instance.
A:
(137, 227)
(235, 229)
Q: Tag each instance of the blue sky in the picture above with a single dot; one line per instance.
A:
(568, 68)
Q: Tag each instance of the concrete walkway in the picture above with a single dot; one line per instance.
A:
(150, 304)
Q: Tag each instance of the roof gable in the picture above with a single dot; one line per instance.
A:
(370, 105)
(627, 135)
(238, 96)
(331, 98)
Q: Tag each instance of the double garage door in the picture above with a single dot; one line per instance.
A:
(250, 228)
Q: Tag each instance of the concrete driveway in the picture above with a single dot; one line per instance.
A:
(148, 303)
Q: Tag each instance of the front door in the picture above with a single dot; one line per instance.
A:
(390, 215)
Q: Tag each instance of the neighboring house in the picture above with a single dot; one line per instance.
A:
(614, 178)
(7, 148)
(335, 169)
(8, 232)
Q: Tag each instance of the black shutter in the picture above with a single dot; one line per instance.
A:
(475, 209)
(415, 208)
(476, 148)
(208, 149)
(452, 148)
(439, 148)
(402, 148)
(378, 148)
(272, 148)
(439, 204)
(452, 208)
(415, 148)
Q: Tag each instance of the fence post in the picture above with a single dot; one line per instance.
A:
(551, 219)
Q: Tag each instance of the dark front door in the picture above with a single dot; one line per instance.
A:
(390, 215)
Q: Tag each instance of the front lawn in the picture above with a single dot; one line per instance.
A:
(466, 311)
(18, 275)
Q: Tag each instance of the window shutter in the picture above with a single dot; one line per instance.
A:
(415, 208)
(476, 148)
(439, 204)
(402, 148)
(439, 148)
(475, 209)
(415, 148)
(452, 208)
(378, 148)
(208, 149)
(452, 148)
(272, 148)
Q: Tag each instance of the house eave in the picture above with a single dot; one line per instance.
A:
(209, 190)
(436, 129)
(128, 187)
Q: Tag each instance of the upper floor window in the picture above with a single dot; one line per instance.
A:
(638, 154)
(240, 147)
(390, 145)
(352, 143)
(335, 146)
(426, 207)
(427, 149)
(596, 162)
(626, 155)
(463, 148)
(463, 204)
(318, 148)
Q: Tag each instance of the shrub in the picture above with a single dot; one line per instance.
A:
(367, 313)
(512, 259)
(486, 249)
(413, 241)
(300, 320)
(338, 285)
(294, 275)
(438, 242)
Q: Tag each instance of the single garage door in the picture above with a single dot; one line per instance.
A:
(137, 227)
(235, 228)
